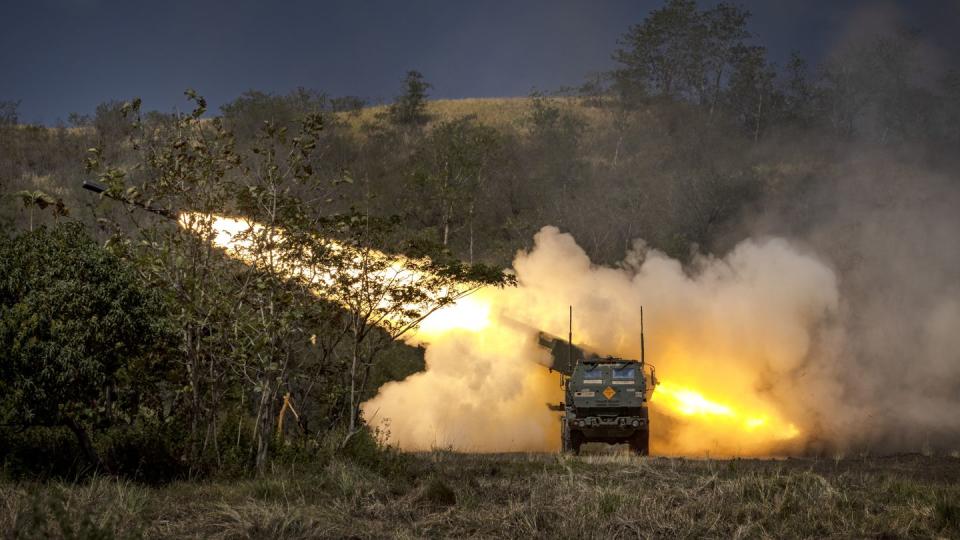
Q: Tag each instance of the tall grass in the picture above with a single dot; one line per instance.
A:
(444, 494)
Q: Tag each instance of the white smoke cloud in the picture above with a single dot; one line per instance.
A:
(739, 329)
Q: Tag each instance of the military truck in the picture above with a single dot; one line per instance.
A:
(605, 398)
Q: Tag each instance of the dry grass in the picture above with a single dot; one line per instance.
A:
(503, 113)
(497, 112)
(450, 495)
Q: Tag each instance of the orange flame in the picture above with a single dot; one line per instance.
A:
(691, 404)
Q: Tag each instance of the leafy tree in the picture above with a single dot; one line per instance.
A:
(875, 88)
(72, 317)
(410, 108)
(680, 52)
(554, 150)
(347, 104)
(41, 200)
(110, 121)
(78, 120)
(247, 114)
(752, 96)
(388, 296)
(659, 54)
(725, 33)
(8, 113)
(252, 332)
(182, 166)
(799, 95)
(451, 167)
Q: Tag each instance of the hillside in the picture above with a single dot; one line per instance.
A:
(502, 113)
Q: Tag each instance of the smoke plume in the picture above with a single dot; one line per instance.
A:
(744, 332)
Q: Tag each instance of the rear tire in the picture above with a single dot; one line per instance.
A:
(640, 442)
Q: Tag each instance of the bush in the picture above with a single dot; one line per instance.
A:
(40, 453)
(143, 453)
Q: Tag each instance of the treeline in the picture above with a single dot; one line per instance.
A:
(167, 359)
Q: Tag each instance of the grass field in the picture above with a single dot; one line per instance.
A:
(497, 112)
(545, 496)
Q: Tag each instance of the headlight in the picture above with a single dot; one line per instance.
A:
(636, 423)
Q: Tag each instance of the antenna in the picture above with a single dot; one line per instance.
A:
(570, 343)
(642, 359)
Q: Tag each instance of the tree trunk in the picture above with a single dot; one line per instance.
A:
(756, 131)
(85, 445)
(446, 230)
(471, 233)
(353, 386)
(264, 431)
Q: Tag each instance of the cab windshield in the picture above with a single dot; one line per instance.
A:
(626, 372)
(593, 373)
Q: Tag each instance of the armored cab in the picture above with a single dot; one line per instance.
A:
(606, 401)
(605, 398)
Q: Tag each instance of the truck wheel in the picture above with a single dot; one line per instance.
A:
(640, 442)
(576, 440)
(566, 444)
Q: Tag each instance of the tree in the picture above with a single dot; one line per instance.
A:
(182, 166)
(246, 115)
(554, 151)
(660, 53)
(41, 200)
(110, 121)
(680, 52)
(450, 168)
(72, 316)
(8, 113)
(726, 30)
(798, 93)
(752, 96)
(875, 87)
(410, 108)
(387, 296)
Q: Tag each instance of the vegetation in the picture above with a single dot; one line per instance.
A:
(451, 495)
(81, 335)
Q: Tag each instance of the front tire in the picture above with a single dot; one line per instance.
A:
(640, 442)
(566, 444)
(576, 441)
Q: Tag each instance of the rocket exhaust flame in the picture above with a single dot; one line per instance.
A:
(726, 338)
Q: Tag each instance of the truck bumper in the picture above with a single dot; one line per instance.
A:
(599, 428)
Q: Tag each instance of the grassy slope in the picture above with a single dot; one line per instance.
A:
(497, 112)
(452, 495)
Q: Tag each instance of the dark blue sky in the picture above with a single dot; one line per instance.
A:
(59, 56)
